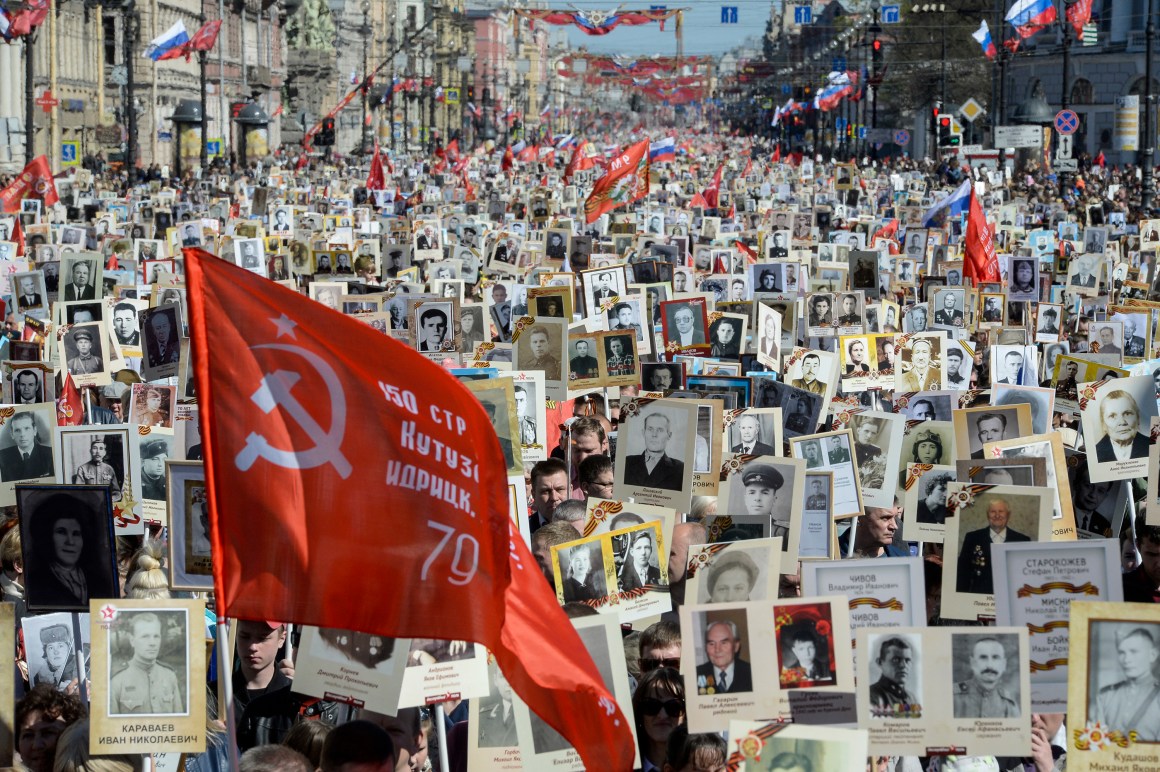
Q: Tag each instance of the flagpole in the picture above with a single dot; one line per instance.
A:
(226, 685)
(441, 733)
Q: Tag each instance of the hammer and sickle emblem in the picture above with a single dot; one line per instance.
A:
(274, 391)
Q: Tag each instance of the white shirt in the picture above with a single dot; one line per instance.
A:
(999, 537)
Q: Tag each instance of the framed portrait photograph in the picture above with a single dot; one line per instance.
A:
(778, 747)
(57, 651)
(541, 746)
(602, 287)
(882, 592)
(727, 649)
(924, 495)
(375, 665)
(662, 377)
(806, 648)
(30, 293)
(149, 449)
(685, 325)
(152, 405)
(81, 277)
(977, 426)
(726, 572)
(766, 487)
(99, 455)
(531, 416)
(433, 328)
(801, 409)
(753, 431)
(539, 344)
(28, 383)
(813, 371)
(1114, 652)
(148, 660)
(66, 534)
(1116, 415)
(26, 448)
(161, 329)
(84, 351)
(985, 672)
(833, 452)
(190, 542)
(656, 451)
(877, 437)
(816, 536)
(1050, 448)
(979, 516)
(1031, 580)
(497, 395)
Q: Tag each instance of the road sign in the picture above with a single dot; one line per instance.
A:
(213, 148)
(880, 135)
(971, 110)
(839, 64)
(901, 137)
(1063, 146)
(971, 149)
(451, 96)
(803, 14)
(1067, 121)
(728, 14)
(891, 14)
(1018, 136)
(1066, 165)
(69, 153)
(862, 132)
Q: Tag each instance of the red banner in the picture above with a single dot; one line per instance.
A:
(625, 181)
(34, 182)
(981, 263)
(361, 460)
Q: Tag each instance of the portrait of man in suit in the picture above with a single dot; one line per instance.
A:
(749, 433)
(725, 672)
(28, 297)
(79, 286)
(27, 458)
(974, 574)
(638, 570)
(161, 343)
(654, 468)
(1120, 420)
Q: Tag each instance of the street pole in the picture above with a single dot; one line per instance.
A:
(364, 142)
(1063, 97)
(203, 152)
(1148, 159)
(29, 104)
(130, 45)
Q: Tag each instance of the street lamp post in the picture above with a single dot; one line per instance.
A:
(129, 49)
(364, 141)
(1065, 93)
(202, 55)
(1148, 158)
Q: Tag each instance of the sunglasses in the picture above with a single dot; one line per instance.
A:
(651, 706)
(647, 664)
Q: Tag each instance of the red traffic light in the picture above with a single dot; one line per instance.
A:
(945, 121)
(877, 45)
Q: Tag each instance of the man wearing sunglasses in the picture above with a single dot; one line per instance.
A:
(660, 646)
(725, 672)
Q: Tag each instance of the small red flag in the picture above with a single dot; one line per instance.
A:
(508, 160)
(712, 193)
(69, 409)
(981, 263)
(205, 38)
(376, 180)
(410, 458)
(626, 181)
(1078, 15)
(34, 182)
(18, 236)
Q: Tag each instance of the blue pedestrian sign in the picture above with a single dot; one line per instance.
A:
(213, 147)
(68, 153)
(1067, 122)
(861, 132)
(839, 63)
(901, 137)
(803, 14)
(891, 14)
(728, 14)
(785, 88)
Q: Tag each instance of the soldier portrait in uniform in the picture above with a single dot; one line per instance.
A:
(985, 668)
(154, 450)
(51, 651)
(96, 469)
(148, 663)
(1123, 683)
(895, 675)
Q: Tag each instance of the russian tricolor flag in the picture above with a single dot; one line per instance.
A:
(983, 36)
(1030, 16)
(174, 37)
(663, 150)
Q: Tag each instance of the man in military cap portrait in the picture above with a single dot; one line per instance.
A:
(153, 455)
(1131, 704)
(895, 659)
(982, 695)
(762, 482)
(88, 357)
(145, 685)
(95, 471)
(60, 667)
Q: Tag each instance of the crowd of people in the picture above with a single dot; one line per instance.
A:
(804, 295)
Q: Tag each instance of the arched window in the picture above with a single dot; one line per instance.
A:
(1082, 92)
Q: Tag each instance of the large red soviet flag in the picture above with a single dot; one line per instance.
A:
(980, 263)
(355, 484)
(625, 181)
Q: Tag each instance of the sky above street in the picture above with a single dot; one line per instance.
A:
(703, 31)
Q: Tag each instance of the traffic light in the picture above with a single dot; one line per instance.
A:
(325, 137)
(946, 134)
(934, 111)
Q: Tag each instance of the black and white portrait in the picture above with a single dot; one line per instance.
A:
(148, 666)
(66, 537)
(1123, 671)
(654, 444)
(985, 675)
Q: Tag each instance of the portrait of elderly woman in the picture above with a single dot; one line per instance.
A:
(66, 536)
(583, 573)
(733, 577)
